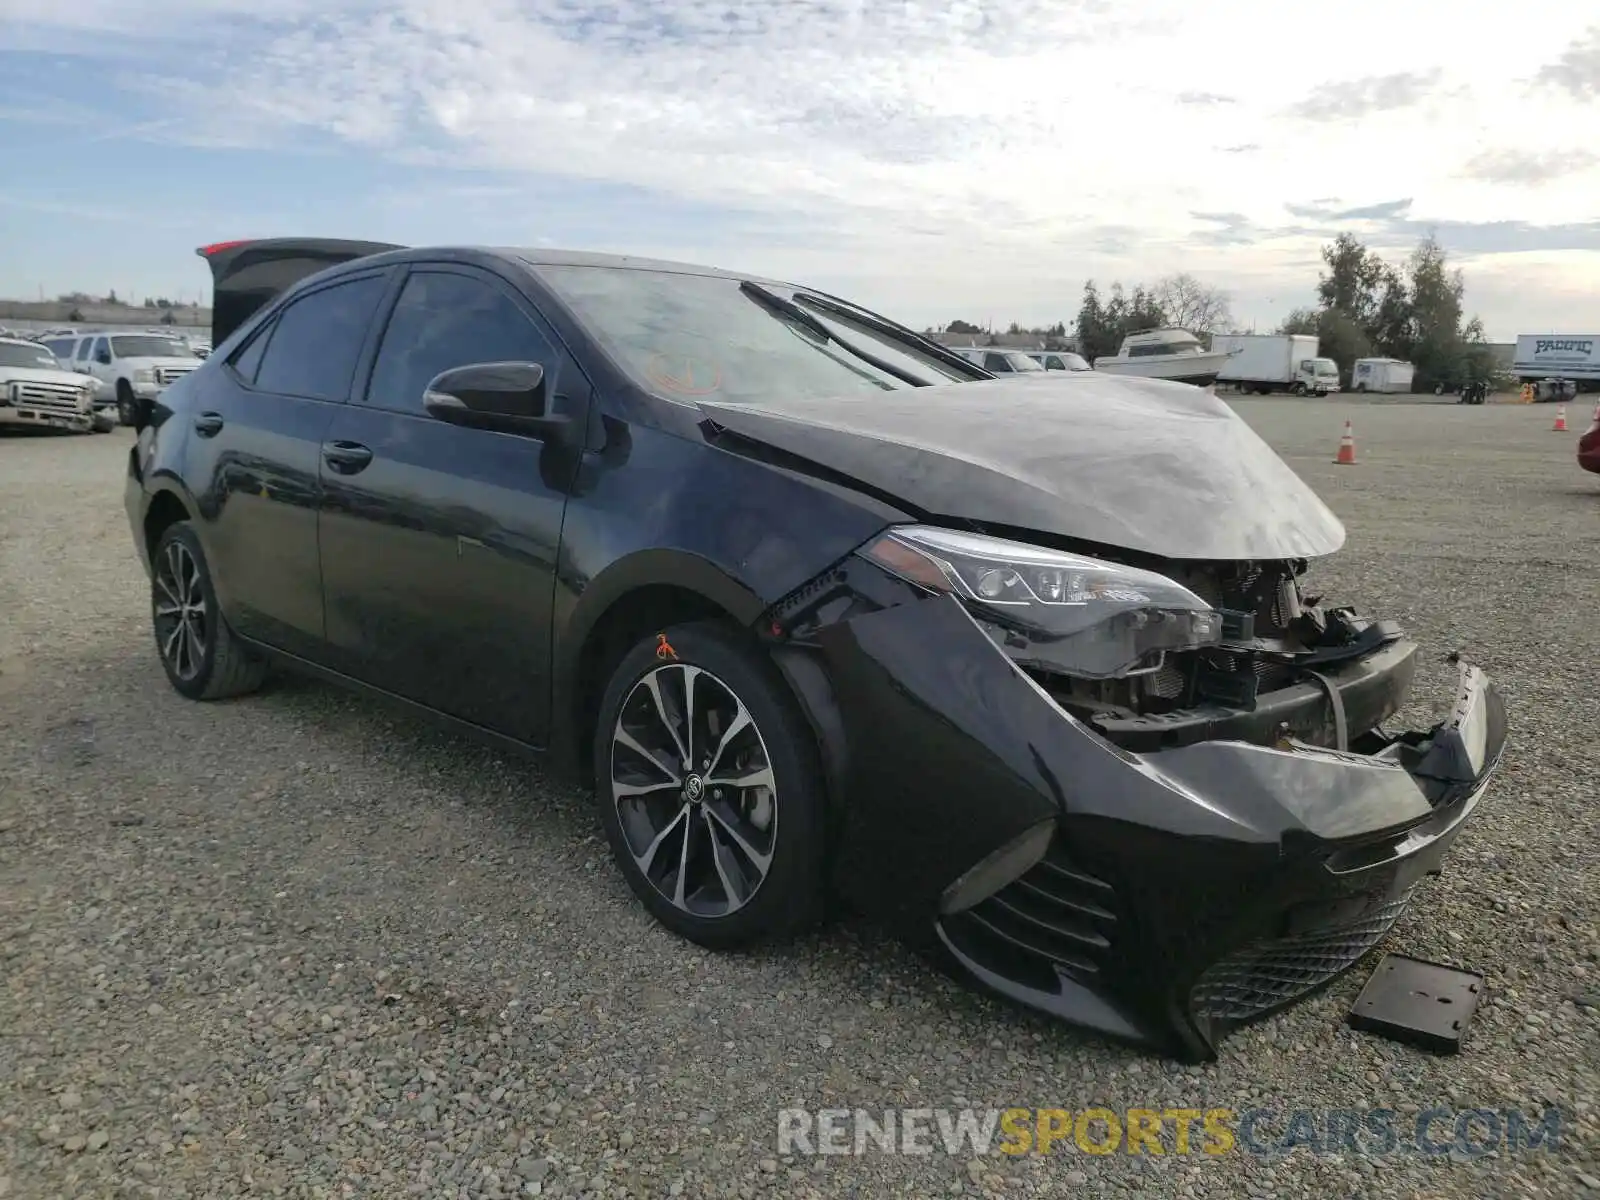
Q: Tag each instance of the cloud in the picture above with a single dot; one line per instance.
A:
(1328, 210)
(1577, 71)
(1350, 99)
(919, 147)
(1528, 168)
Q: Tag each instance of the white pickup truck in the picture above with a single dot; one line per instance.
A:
(130, 367)
(36, 390)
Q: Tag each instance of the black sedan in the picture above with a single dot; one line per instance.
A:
(1024, 668)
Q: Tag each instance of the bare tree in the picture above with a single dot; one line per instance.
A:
(1192, 305)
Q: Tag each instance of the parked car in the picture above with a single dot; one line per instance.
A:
(812, 603)
(67, 346)
(130, 367)
(1589, 445)
(1060, 360)
(35, 389)
(1003, 362)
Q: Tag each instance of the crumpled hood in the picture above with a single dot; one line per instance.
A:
(1141, 464)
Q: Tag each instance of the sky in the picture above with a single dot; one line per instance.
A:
(932, 159)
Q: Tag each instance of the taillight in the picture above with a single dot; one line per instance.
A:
(219, 247)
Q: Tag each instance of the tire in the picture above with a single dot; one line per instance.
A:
(1299, 389)
(209, 663)
(103, 423)
(1360, 387)
(125, 402)
(781, 820)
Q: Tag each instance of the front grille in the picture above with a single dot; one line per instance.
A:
(1271, 973)
(50, 397)
(166, 375)
(1057, 915)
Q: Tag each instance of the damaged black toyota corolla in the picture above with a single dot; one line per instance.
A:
(1024, 668)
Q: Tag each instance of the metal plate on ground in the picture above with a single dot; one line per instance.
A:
(1412, 1000)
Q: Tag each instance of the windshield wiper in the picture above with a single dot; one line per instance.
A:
(775, 303)
(889, 329)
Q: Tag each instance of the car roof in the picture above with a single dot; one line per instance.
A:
(544, 256)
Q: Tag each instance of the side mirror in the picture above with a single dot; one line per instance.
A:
(508, 397)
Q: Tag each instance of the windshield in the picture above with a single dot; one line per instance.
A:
(148, 346)
(14, 355)
(1022, 362)
(1324, 366)
(1075, 362)
(693, 337)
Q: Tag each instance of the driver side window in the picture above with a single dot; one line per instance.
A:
(446, 319)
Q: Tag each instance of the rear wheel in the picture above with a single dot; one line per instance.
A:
(202, 658)
(709, 788)
(1299, 389)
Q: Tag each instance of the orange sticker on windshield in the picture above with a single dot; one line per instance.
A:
(685, 376)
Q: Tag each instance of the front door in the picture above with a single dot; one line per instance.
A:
(439, 542)
(257, 441)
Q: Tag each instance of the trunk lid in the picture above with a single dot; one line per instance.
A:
(247, 274)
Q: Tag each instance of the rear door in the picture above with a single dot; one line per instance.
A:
(258, 428)
(439, 542)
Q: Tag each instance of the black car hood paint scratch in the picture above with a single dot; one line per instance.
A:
(1144, 465)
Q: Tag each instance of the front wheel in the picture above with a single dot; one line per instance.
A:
(709, 788)
(200, 654)
(126, 408)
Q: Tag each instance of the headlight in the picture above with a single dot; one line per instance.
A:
(144, 375)
(1084, 616)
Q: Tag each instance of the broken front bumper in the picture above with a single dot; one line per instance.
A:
(1159, 897)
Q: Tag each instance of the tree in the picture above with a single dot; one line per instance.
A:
(962, 327)
(1096, 333)
(1367, 306)
(1192, 305)
(1351, 283)
(1302, 320)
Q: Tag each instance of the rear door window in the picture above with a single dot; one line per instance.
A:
(317, 339)
(246, 361)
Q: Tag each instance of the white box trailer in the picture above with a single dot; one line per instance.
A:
(1272, 362)
(1381, 375)
(1574, 356)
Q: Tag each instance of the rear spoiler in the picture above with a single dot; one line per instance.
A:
(247, 274)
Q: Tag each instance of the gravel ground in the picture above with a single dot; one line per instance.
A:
(297, 945)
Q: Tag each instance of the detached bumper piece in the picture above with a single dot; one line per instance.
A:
(1162, 897)
(1425, 1003)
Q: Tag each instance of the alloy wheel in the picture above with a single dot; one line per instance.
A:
(694, 788)
(182, 620)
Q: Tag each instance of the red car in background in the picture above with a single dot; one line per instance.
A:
(1589, 445)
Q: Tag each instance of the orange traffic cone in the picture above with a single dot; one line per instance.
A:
(1561, 419)
(1347, 448)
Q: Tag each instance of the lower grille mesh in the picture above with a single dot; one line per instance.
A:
(1267, 974)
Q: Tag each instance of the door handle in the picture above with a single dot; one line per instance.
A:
(346, 457)
(208, 424)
